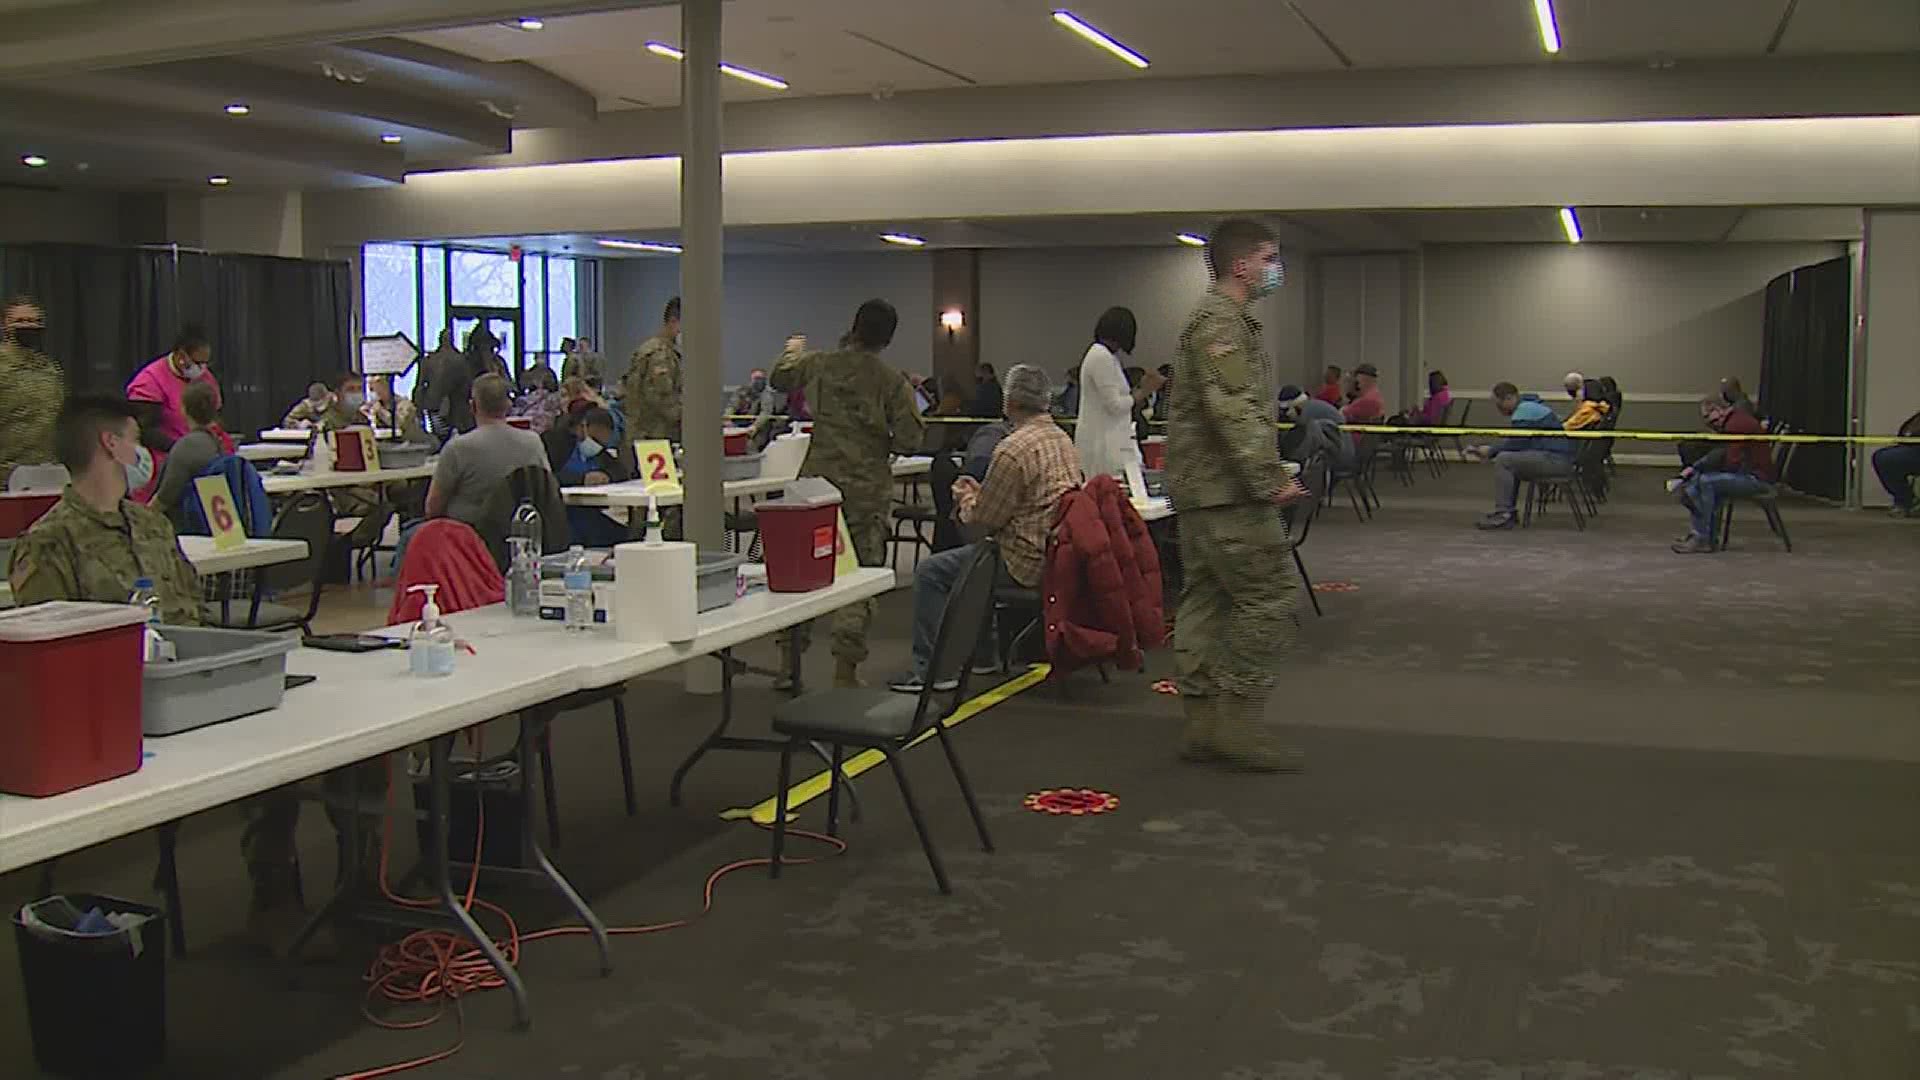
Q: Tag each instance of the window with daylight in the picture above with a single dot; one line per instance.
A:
(485, 279)
(563, 311)
(533, 317)
(390, 280)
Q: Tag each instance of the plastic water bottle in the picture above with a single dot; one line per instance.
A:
(145, 596)
(579, 583)
(523, 569)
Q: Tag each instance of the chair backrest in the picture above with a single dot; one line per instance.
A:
(52, 477)
(249, 496)
(1464, 413)
(946, 468)
(1782, 455)
(965, 619)
(531, 483)
(308, 516)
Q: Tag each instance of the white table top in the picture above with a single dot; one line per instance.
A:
(271, 451)
(1155, 509)
(906, 468)
(286, 485)
(366, 705)
(633, 493)
(302, 435)
(200, 552)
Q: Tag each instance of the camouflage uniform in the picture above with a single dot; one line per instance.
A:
(75, 552)
(583, 365)
(653, 391)
(1223, 472)
(862, 412)
(32, 391)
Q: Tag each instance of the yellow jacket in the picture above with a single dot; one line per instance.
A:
(1589, 414)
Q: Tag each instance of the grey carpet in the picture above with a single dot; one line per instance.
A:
(1579, 808)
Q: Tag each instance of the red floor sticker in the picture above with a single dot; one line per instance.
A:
(1335, 586)
(1167, 686)
(1074, 802)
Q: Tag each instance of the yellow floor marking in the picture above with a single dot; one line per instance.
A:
(816, 785)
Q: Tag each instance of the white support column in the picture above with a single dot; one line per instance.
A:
(1887, 371)
(700, 266)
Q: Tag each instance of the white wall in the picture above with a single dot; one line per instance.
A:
(1039, 307)
(1890, 368)
(270, 223)
(1364, 320)
(28, 216)
(769, 297)
(1663, 319)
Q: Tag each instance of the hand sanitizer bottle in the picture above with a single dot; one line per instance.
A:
(430, 648)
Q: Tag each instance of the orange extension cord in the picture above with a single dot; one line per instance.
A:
(439, 967)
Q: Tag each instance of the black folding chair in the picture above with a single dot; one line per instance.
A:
(1768, 500)
(889, 722)
(1299, 520)
(309, 517)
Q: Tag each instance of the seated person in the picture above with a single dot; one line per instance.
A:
(401, 415)
(1433, 411)
(590, 459)
(1897, 466)
(982, 443)
(1332, 390)
(1736, 397)
(1692, 450)
(1367, 406)
(1032, 467)
(541, 403)
(1574, 383)
(1518, 458)
(1316, 430)
(93, 545)
(1592, 410)
(1730, 470)
(190, 457)
(473, 465)
(306, 412)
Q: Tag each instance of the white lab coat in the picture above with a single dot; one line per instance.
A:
(1104, 436)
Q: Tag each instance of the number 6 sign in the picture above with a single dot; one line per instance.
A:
(655, 458)
(216, 501)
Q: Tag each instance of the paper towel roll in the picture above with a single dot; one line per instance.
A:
(654, 592)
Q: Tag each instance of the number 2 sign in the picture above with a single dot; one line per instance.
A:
(216, 501)
(655, 457)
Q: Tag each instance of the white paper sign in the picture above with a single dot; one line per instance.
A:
(388, 354)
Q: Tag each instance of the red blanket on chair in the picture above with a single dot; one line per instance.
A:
(451, 555)
(1101, 586)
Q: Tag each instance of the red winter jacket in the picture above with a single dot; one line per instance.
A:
(1101, 586)
(449, 554)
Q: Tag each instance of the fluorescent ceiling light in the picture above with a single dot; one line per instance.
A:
(219, 181)
(238, 108)
(640, 245)
(529, 24)
(1191, 239)
(1549, 28)
(661, 48)
(33, 161)
(1571, 223)
(391, 139)
(903, 239)
(1092, 33)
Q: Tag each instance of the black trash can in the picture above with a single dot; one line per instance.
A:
(97, 1005)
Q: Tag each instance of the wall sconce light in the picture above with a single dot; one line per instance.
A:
(953, 319)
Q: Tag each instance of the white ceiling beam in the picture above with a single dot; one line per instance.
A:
(122, 33)
(534, 89)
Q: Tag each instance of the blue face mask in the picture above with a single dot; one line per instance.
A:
(590, 447)
(1272, 276)
(140, 471)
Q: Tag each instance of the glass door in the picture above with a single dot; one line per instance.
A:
(502, 323)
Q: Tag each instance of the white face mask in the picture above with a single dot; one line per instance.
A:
(139, 471)
(590, 447)
(191, 371)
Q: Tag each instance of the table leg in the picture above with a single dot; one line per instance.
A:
(438, 753)
(530, 722)
(715, 739)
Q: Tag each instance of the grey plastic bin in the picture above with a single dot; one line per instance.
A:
(716, 578)
(740, 467)
(404, 455)
(220, 675)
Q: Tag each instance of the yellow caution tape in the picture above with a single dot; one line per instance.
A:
(816, 785)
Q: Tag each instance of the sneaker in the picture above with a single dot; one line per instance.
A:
(1497, 521)
(1674, 485)
(1694, 545)
(986, 667)
(1905, 513)
(913, 684)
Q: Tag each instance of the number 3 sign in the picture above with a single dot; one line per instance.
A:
(216, 501)
(655, 457)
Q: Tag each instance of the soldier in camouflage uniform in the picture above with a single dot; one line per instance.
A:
(93, 545)
(1224, 475)
(652, 383)
(862, 414)
(32, 388)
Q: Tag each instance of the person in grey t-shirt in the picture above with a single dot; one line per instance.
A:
(191, 455)
(472, 466)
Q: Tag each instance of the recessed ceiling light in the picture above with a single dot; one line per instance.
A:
(219, 181)
(1191, 239)
(529, 24)
(640, 245)
(903, 239)
(33, 161)
(391, 139)
(239, 108)
(661, 48)
(1549, 27)
(1094, 34)
(1570, 222)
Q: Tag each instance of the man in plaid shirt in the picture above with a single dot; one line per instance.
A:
(1032, 467)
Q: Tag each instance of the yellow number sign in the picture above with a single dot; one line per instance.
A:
(223, 519)
(846, 561)
(655, 458)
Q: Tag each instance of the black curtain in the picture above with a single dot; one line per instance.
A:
(1803, 368)
(276, 324)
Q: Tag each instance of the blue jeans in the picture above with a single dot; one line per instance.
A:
(1705, 492)
(1897, 466)
(933, 581)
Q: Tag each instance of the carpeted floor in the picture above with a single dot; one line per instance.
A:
(1578, 808)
